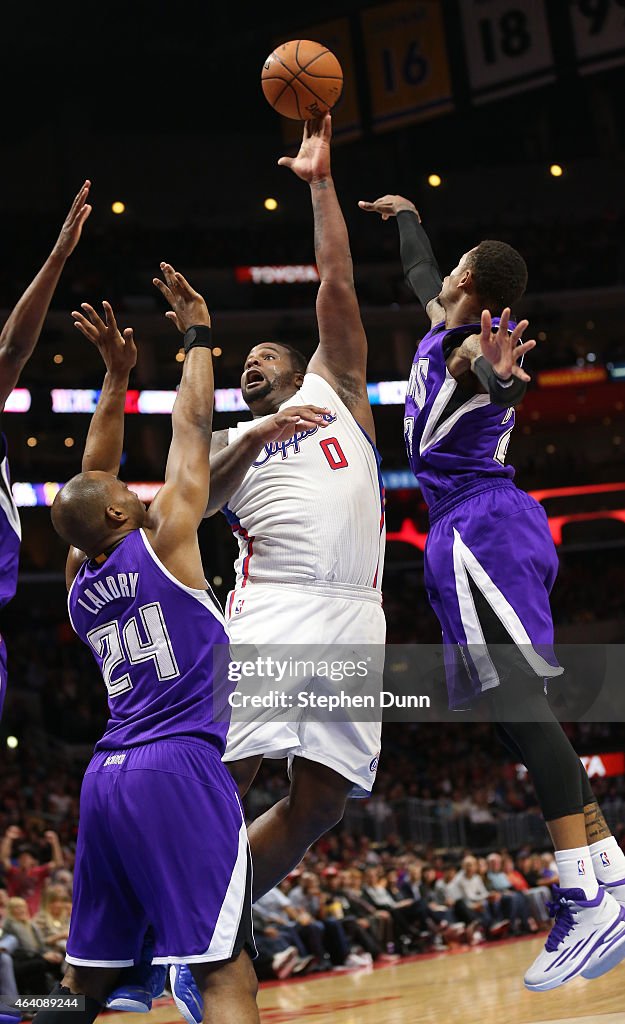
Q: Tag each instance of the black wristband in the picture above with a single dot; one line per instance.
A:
(501, 392)
(197, 337)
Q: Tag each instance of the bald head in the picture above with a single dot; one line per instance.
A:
(95, 509)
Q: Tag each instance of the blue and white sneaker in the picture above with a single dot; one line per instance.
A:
(587, 939)
(186, 994)
(142, 983)
(8, 1015)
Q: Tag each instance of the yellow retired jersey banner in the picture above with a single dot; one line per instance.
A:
(346, 123)
(407, 63)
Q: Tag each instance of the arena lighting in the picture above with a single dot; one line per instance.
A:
(118, 207)
(299, 273)
(383, 392)
(556, 170)
(270, 204)
(434, 180)
(409, 532)
(32, 495)
(12, 742)
(598, 766)
(18, 401)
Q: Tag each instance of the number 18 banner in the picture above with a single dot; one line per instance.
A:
(508, 48)
(407, 63)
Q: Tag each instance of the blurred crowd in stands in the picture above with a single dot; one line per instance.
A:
(373, 889)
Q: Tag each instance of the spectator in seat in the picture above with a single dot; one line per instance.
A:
(515, 905)
(36, 968)
(27, 878)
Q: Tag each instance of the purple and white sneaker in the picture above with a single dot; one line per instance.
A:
(587, 939)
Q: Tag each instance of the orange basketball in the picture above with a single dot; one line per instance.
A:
(302, 79)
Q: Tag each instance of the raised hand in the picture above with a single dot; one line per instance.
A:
(502, 350)
(312, 163)
(188, 308)
(282, 425)
(73, 223)
(118, 350)
(388, 206)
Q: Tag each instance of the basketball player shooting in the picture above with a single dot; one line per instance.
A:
(490, 563)
(162, 839)
(18, 340)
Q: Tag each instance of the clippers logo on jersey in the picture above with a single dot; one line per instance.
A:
(283, 448)
(373, 767)
(311, 508)
(452, 436)
(581, 868)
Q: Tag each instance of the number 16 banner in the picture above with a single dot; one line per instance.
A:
(508, 48)
(407, 63)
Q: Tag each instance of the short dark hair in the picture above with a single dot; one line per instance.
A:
(299, 361)
(500, 274)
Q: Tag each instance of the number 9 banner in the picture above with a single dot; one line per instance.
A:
(407, 63)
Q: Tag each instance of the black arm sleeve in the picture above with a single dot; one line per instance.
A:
(507, 393)
(418, 261)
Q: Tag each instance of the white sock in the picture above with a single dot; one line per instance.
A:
(576, 871)
(608, 860)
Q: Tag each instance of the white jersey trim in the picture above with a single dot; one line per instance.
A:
(466, 562)
(7, 503)
(432, 433)
(199, 595)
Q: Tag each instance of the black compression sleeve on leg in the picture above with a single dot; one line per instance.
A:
(528, 721)
(417, 259)
(86, 1016)
(587, 793)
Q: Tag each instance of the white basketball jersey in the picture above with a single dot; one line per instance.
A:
(311, 509)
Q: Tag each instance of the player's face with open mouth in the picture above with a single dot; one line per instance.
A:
(267, 368)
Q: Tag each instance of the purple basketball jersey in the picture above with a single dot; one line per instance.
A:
(153, 639)
(452, 438)
(10, 531)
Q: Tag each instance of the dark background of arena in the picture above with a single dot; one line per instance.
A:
(160, 105)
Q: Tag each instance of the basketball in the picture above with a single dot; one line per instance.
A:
(302, 79)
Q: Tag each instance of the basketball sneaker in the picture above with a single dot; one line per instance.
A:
(145, 983)
(186, 994)
(587, 938)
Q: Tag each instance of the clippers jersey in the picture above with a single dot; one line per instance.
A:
(452, 438)
(152, 638)
(311, 509)
(10, 531)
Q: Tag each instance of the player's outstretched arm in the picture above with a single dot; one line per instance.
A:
(178, 508)
(342, 353)
(230, 462)
(105, 438)
(418, 261)
(21, 332)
